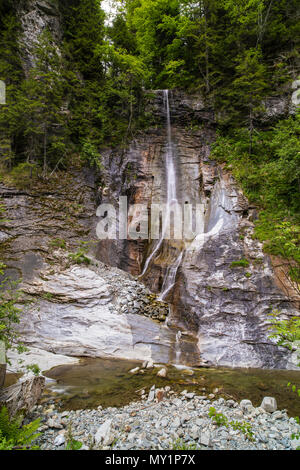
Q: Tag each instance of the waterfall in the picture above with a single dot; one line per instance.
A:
(171, 199)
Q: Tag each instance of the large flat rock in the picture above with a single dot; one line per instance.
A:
(80, 319)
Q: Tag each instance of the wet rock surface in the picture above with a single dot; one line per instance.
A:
(168, 421)
(90, 312)
(225, 285)
(99, 311)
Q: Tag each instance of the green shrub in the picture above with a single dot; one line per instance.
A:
(285, 332)
(15, 436)
(9, 312)
(80, 257)
(90, 154)
(243, 263)
(34, 368)
(72, 444)
(59, 243)
(179, 444)
(221, 420)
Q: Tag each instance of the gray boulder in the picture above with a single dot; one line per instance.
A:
(269, 404)
(103, 435)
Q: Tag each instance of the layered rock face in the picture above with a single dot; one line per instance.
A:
(77, 310)
(220, 299)
(225, 286)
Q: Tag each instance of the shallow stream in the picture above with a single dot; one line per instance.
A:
(107, 382)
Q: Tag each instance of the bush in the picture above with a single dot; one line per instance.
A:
(90, 154)
(79, 257)
(14, 436)
(221, 420)
(243, 263)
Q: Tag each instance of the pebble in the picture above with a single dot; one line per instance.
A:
(162, 373)
(59, 440)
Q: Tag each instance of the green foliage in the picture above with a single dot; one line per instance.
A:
(90, 154)
(2, 220)
(221, 420)
(218, 418)
(15, 436)
(9, 312)
(231, 51)
(270, 178)
(243, 427)
(243, 263)
(72, 444)
(80, 256)
(59, 243)
(34, 368)
(34, 109)
(286, 332)
(77, 96)
(179, 444)
(23, 175)
(295, 390)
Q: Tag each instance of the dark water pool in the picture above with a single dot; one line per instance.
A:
(108, 383)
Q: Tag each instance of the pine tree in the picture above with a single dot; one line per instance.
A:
(249, 87)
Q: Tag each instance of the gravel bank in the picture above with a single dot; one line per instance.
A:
(163, 418)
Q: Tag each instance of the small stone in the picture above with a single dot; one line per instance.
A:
(134, 371)
(160, 395)
(150, 364)
(188, 372)
(162, 373)
(151, 395)
(54, 424)
(277, 415)
(175, 423)
(103, 434)
(245, 403)
(194, 432)
(269, 404)
(205, 439)
(295, 443)
(59, 440)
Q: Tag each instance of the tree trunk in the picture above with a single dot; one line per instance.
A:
(2, 364)
(22, 396)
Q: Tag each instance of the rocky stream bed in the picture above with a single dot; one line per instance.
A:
(166, 421)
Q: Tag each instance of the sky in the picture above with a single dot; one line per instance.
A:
(107, 6)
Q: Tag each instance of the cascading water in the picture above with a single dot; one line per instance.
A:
(178, 349)
(171, 200)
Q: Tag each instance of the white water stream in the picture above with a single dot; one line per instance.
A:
(172, 199)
